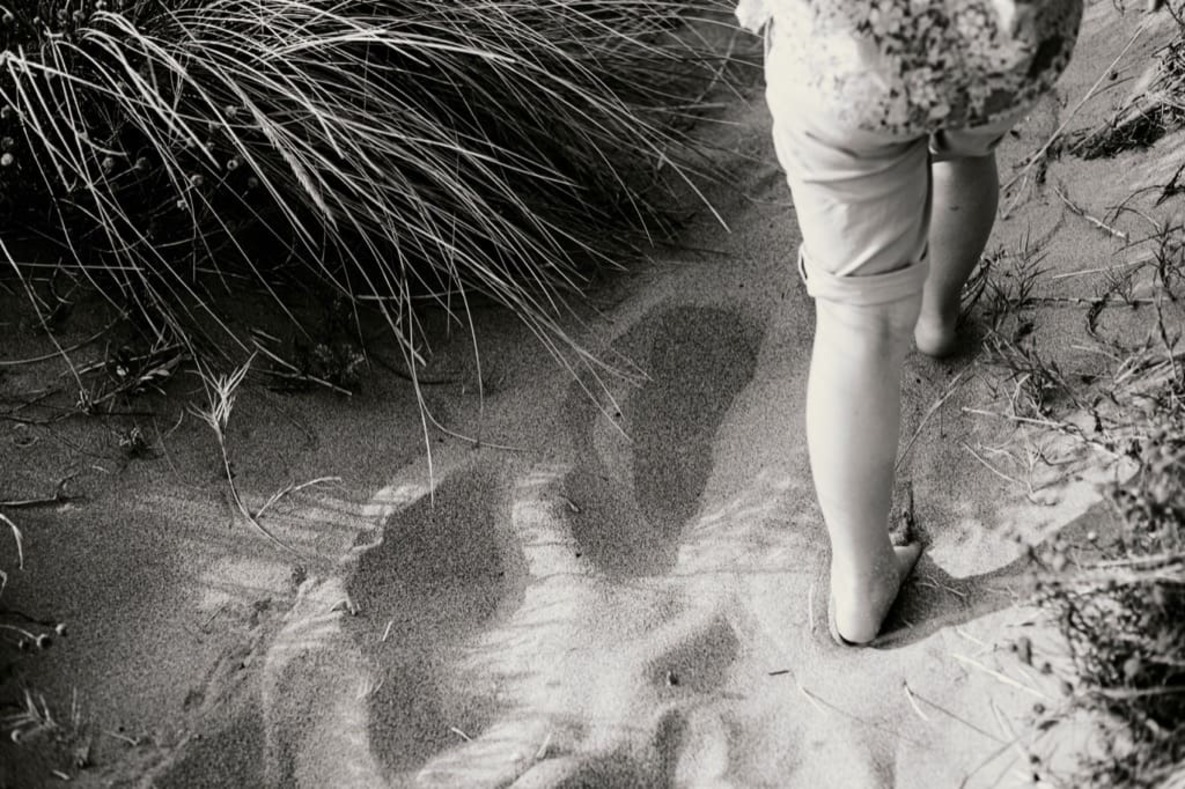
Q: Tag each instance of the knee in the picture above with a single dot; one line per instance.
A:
(876, 328)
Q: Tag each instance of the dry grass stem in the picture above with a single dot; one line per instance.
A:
(1040, 154)
(1059, 190)
(1004, 678)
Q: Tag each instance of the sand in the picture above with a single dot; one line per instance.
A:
(616, 590)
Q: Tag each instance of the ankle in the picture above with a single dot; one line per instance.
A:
(935, 335)
(860, 573)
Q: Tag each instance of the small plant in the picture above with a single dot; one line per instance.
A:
(1168, 260)
(1004, 287)
(338, 363)
(34, 717)
(133, 444)
(334, 356)
(221, 392)
(1118, 282)
(1033, 382)
(126, 373)
(1008, 284)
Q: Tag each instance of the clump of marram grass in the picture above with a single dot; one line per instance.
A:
(1154, 109)
(1118, 597)
(1121, 616)
(384, 150)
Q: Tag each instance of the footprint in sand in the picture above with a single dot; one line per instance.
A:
(445, 568)
(640, 486)
(351, 691)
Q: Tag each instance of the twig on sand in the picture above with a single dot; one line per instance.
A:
(1125, 693)
(543, 746)
(478, 443)
(295, 373)
(913, 702)
(1002, 721)
(932, 584)
(819, 703)
(292, 488)
(312, 379)
(991, 757)
(1080, 211)
(212, 617)
(1096, 302)
(20, 550)
(57, 498)
(960, 719)
(32, 401)
(964, 634)
(815, 701)
(55, 354)
(345, 604)
(1065, 428)
(1139, 261)
(133, 741)
(989, 466)
(950, 390)
(1007, 680)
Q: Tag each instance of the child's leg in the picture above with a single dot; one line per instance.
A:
(965, 197)
(853, 423)
(862, 200)
(862, 205)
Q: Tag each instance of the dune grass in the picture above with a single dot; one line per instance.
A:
(1116, 597)
(390, 152)
(184, 157)
(1120, 612)
(1154, 108)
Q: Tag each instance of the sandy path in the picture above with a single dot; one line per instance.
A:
(637, 596)
(641, 606)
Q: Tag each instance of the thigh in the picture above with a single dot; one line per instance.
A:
(862, 200)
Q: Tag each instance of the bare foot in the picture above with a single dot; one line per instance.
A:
(861, 603)
(934, 336)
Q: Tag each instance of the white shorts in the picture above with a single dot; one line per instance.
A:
(862, 197)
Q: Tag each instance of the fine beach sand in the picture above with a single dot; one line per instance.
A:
(621, 586)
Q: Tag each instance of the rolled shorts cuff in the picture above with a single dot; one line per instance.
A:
(864, 291)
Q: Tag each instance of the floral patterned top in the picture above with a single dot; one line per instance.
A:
(915, 66)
